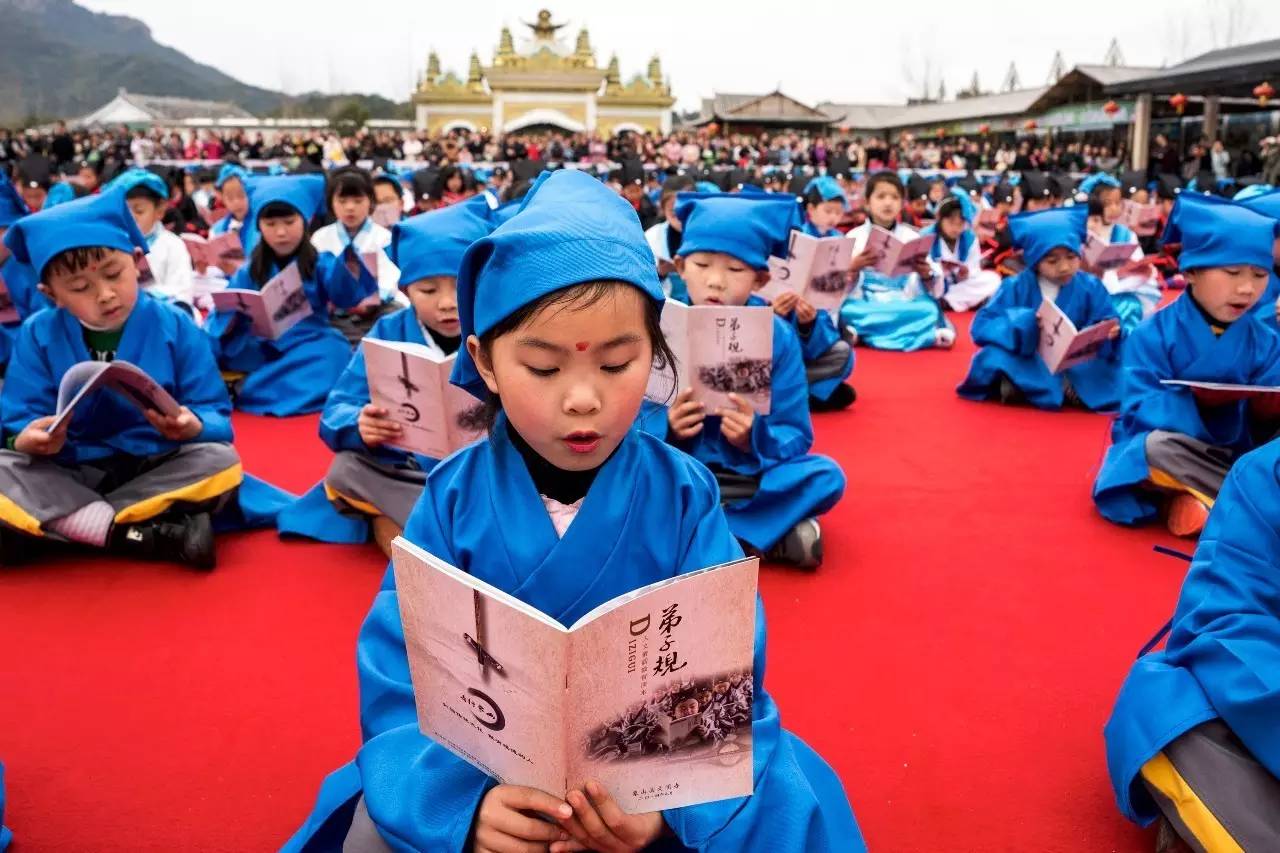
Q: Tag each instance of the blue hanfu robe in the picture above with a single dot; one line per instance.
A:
(482, 513)
(794, 483)
(313, 515)
(292, 375)
(1177, 343)
(6, 836)
(1265, 310)
(224, 225)
(1222, 659)
(1135, 296)
(1008, 334)
(23, 286)
(891, 312)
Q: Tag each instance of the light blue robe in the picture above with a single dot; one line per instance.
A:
(313, 515)
(794, 483)
(892, 312)
(22, 284)
(481, 513)
(1177, 343)
(292, 375)
(1008, 334)
(1223, 655)
(1134, 299)
(223, 225)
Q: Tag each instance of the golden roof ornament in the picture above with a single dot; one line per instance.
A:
(544, 30)
(475, 82)
(612, 76)
(433, 66)
(506, 48)
(655, 71)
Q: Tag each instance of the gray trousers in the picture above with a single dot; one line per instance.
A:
(363, 836)
(1225, 781)
(37, 490)
(1201, 468)
(363, 483)
(830, 363)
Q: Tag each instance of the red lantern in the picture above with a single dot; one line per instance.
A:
(1031, 124)
(1264, 92)
(1178, 102)
(713, 128)
(984, 129)
(1111, 108)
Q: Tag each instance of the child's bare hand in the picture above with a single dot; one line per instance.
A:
(598, 824)
(865, 258)
(376, 427)
(805, 313)
(685, 417)
(736, 423)
(183, 426)
(785, 303)
(1115, 333)
(924, 269)
(34, 439)
(507, 820)
(962, 273)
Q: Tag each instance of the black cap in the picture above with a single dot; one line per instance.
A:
(917, 187)
(839, 167)
(632, 171)
(388, 178)
(1002, 193)
(35, 170)
(1206, 182)
(423, 181)
(968, 183)
(1036, 185)
(527, 170)
(719, 177)
(1168, 187)
(738, 177)
(1062, 186)
(798, 182)
(1132, 181)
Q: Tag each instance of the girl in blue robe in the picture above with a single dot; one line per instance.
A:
(487, 510)
(1193, 735)
(1263, 199)
(1008, 366)
(774, 488)
(232, 186)
(112, 476)
(958, 254)
(1135, 294)
(892, 312)
(428, 250)
(291, 375)
(1168, 450)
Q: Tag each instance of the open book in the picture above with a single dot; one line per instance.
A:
(127, 380)
(719, 349)
(387, 214)
(1062, 345)
(817, 268)
(1142, 219)
(412, 383)
(896, 257)
(225, 248)
(1263, 399)
(8, 311)
(1103, 256)
(275, 309)
(650, 693)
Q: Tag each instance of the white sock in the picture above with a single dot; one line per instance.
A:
(90, 524)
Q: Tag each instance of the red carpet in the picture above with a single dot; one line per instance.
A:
(955, 659)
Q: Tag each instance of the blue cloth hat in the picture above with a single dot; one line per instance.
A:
(1088, 184)
(229, 171)
(748, 227)
(569, 229)
(1260, 198)
(967, 206)
(1215, 232)
(304, 193)
(828, 188)
(433, 244)
(12, 207)
(1039, 233)
(706, 187)
(135, 177)
(94, 220)
(60, 193)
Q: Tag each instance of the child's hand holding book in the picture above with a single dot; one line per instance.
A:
(35, 440)
(598, 824)
(736, 423)
(183, 426)
(685, 416)
(376, 427)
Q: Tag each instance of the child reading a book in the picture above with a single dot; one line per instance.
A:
(892, 312)
(19, 280)
(388, 193)
(293, 374)
(351, 197)
(112, 475)
(1009, 367)
(1264, 199)
(1134, 287)
(664, 237)
(957, 253)
(232, 187)
(773, 488)
(1193, 739)
(566, 505)
(1170, 452)
(369, 482)
(167, 274)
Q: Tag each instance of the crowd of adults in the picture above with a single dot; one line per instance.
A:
(68, 150)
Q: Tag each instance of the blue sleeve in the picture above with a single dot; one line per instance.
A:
(200, 385)
(1146, 404)
(1226, 629)
(787, 431)
(1266, 369)
(338, 421)
(1100, 308)
(336, 284)
(233, 345)
(30, 390)
(1005, 324)
(822, 336)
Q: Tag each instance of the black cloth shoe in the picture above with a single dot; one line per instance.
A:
(184, 539)
(801, 547)
(841, 398)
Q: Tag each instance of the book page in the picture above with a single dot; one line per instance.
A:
(285, 302)
(1104, 256)
(406, 380)
(731, 351)
(909, 254)
(1056, 334)
(198, 249)
(882, 242)
(127, 380)
(1264, 400)
(790, 274)
(660, 693)
(462, 411)
(387, 214)
(488, 671)
(827, 280)
(246, 302)
(665, 384)
(1142, 219)
(226, 248)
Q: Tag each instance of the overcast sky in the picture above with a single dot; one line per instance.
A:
(813, 50)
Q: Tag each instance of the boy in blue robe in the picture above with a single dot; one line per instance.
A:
(232, 186)
(1008, 367)
(1168, 450)
(1194, 737)
(828, 359)
(19, 280)
(111, 475)
(567, 505)
(1263, 199)
(773, 488)
(291, 375)
(369, 481)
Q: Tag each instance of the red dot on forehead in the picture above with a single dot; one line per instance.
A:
(582, 346)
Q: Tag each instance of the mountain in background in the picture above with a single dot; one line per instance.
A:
(60, 60)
